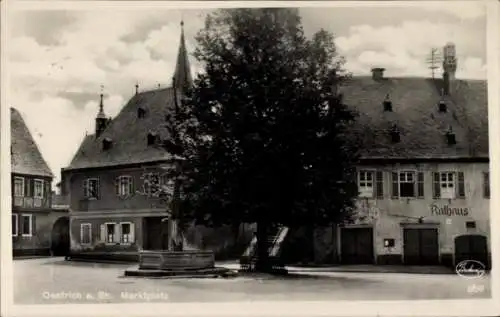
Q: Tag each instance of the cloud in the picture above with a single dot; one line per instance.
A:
(459, 9)
(58, 60)
(405, 49)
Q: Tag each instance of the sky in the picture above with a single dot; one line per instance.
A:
(60, 60)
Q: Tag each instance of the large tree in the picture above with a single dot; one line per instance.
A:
(262, 134)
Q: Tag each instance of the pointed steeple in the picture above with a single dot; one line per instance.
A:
(100, 120)
(182, 76)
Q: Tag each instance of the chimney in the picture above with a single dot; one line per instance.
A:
(449, 67)
(378, 73)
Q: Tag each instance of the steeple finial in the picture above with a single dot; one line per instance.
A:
(182, 73)
(101, 114)
(137, 88)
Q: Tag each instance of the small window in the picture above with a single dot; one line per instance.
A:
(19, 187)
(395, 134)
(107, 143)
(26, 225)
(470, 225)
(486, 184)
(448, 185)
(152, 138)
(91, 188)
(387, 103)
(141, 112)
(124, 186)
(125, 232)
(366, 183)
(85, 233)
(407, 184)
(38, 188)
(442, 106)
(451, 138)
(15, 225)
(110, 233)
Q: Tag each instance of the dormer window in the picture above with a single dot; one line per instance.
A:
(442, 106)
(106, 144)
(395, 134)
(152, 137)
(450, 137)
(387, 104)
(141, 112)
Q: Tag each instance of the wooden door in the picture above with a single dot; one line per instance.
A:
(421, 246)
(471, 247)
(155, 234)
(356, 245)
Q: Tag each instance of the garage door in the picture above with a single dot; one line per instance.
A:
(356, 245)
(421, 246)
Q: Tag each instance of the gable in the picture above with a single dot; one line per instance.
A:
(26, 157)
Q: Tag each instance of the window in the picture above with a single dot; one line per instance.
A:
(124, 186)
(151, 184)
(110, 233)
(91, 188)
(85, 233)
(486, 185)
(448, 185)
(26, 225)
(407, 184)
(19, 186)
(15, 225)
(38, 188)
(126, 232)
(470, 225)
(365, 183)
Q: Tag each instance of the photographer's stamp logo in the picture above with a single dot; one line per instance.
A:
(470, 269)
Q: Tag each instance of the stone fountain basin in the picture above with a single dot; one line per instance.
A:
(191, 263)
(176, 260)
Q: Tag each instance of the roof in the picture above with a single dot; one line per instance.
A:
(26, 157)
(415, 112)
(128, 134)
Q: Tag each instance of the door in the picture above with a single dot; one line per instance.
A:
(421, 246)
(356, 245)
(155, 233)
(471, 247)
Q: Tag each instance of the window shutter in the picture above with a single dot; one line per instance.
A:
(81, 233)
(132, 233)
(436, 186)
(117, 233)
(420, 185)
(33, 225)
(461, 185)
(85, 188)
(27, 187)
(117, 186)
(102, 236)
(379, 185)
(395, 185)
(98, 189)
(131, 185)
(486, 184)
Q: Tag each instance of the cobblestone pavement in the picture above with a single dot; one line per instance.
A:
(55, 281)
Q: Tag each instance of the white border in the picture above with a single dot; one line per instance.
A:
(291, 308)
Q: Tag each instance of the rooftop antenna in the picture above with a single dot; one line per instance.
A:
(433, 60)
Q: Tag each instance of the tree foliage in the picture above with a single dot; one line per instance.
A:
(261, 136)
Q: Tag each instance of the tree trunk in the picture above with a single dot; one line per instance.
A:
(263, 264)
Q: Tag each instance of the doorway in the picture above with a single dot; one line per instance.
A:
(155, 233)
(356, 246)
(471, 247)
(60, 237)
(421, 246)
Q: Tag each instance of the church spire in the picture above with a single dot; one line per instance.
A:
(100, 120)
(182, 76)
